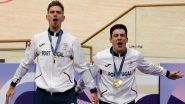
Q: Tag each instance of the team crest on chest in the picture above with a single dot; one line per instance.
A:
(65, 46)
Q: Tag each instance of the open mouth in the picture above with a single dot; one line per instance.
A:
(55, 20)
(119, 43)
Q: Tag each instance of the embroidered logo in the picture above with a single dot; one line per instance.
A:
(65, 46)
(28, 44)
(41, 44)
(107, 65)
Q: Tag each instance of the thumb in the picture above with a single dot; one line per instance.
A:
(7, 99)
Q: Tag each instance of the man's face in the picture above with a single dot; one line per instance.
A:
(55, 17)
(118, 40)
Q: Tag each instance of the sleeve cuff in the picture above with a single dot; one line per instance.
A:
(94, 90)
(13, 84)
(167, 73)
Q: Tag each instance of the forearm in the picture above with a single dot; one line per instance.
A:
(88, 79)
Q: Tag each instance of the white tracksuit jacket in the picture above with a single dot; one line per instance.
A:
(57, 77)
(104, 65)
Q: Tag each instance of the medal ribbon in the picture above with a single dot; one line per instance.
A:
(118, 72)
(54, 51)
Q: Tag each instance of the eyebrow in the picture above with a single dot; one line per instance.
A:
(58, 11)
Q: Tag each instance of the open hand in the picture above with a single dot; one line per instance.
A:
(175, 75)
(94, 98)
(9, 93)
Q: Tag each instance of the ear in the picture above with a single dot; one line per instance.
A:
(46, 16)
(63, 18)
(110, 39)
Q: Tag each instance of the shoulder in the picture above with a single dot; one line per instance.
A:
(103, 54)
(68, 36)
(40, 35)
(133, 53)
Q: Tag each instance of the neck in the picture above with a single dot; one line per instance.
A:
(55, 30)
(119, 51)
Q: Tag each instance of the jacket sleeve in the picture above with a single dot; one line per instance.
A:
(81, 66)
(26, 62)
(149, 68)
(94, 67)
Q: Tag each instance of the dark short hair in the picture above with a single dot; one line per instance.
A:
(118, 26)
(55, 3)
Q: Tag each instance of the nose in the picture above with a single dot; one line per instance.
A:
(55, 14)
(119, 37)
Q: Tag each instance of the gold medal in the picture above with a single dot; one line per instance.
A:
(117, 83)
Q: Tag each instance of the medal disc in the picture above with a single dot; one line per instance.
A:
(117, 83)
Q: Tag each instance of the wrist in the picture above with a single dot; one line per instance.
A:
(167, 73)
(11, 87)
(13, 84)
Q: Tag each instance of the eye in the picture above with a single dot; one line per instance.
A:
(115, 35)
(51, 12)
(59, 12)
(123, 35)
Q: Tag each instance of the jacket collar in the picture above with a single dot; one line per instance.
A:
(52, 33)
(116, 54)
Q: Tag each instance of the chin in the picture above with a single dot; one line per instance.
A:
(121, 50)
(55, 26)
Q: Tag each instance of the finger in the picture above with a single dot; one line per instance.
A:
(7, 98)
(94, 102)
(11, 97)
(180, 75)
(177, 72)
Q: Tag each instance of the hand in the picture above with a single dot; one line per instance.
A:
(9, 93)
(94, 98)
(175, 75)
